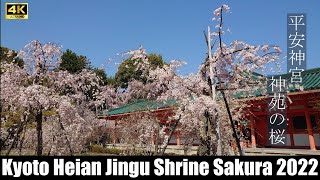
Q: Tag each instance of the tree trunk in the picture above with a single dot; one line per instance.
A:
(22, 138)
(204, 147)
(170, 136)
(232, 124)
(68, 142)
(39, 133)
(208, 138)
(15, 138)
(214, 135)
(2, 143)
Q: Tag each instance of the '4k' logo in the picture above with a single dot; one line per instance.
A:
(16, 10)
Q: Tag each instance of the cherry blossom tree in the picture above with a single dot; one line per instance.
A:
(205, 99)
(164, 84)
(140, 131)
(230, 68)
(61, 104)
(39, 59)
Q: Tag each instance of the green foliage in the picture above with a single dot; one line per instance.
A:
(9, 123)
(73, 63)
(111, 81)
(104, 80)
(102, 75)
(12, 118)
(8, 55)
(156, 60)
(127, 70)
(49, 113)
(114, 151)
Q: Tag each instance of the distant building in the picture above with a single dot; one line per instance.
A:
(162, 111)
(303, 115)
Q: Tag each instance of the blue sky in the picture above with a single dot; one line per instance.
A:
(173, 28)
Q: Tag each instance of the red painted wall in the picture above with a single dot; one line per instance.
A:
(261, 131)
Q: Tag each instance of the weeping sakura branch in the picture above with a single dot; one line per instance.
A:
(234, 65)
(36, 91)
(39, 58)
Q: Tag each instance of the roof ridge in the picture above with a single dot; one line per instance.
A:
(306, 71)
(134, 102)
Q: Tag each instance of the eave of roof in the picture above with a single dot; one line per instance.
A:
(310, 84)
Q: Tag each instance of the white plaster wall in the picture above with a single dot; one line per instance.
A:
(303, 139)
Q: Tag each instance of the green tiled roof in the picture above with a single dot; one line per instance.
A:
(140, 105)
(310, 81)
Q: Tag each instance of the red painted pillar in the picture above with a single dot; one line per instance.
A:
(318, 123)
(253, 135)
(115, 132)
(291, 131)
(310, 133)
(178, 137)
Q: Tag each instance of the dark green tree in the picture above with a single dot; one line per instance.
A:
(111, 81)
(73, 63)
(8, 55)
(104, 80)
(127, 70)
(102, 75)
